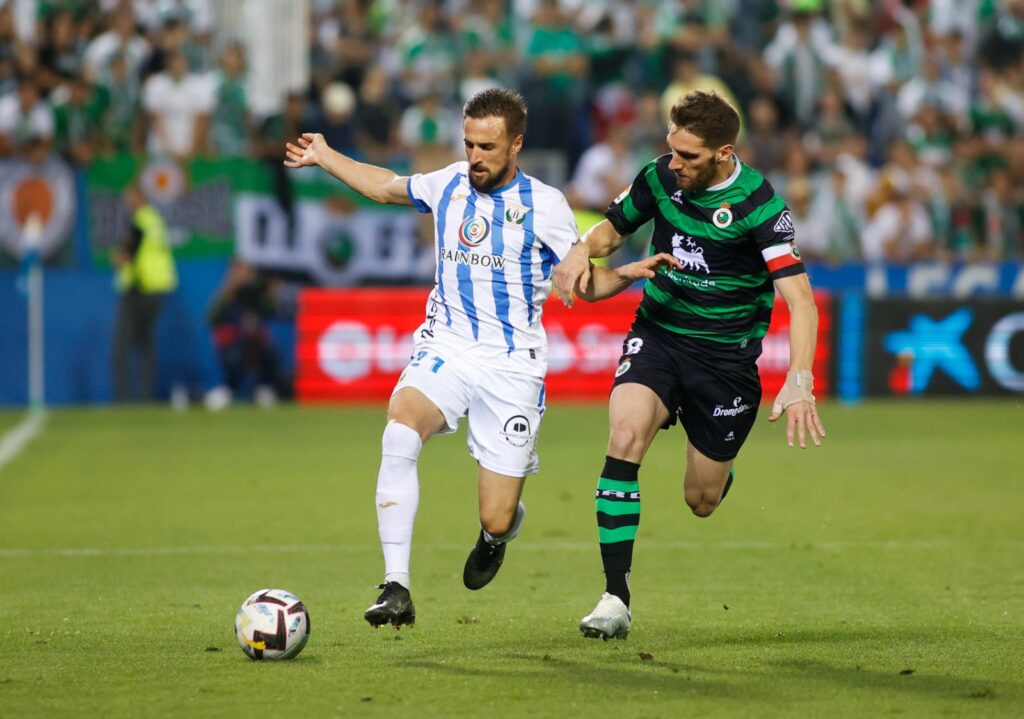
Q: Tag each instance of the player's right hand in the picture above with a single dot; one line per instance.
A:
(574, 268)
(647, 268)
(306, 151)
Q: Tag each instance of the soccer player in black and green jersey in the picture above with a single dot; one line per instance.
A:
(692, 350)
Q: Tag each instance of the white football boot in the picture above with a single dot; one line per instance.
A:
(609, 620)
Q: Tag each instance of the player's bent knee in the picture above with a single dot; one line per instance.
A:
(497, 523)
(705, 509)
(702, 504)
(624, 441)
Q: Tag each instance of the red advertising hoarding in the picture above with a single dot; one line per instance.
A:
(353, 344)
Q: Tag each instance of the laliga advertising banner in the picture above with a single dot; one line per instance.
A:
(353, 344)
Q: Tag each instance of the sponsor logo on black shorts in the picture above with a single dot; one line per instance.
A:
(517, 431)
(623, 369)
(738, 407)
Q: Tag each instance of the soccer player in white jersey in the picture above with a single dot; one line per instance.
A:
(482, 351)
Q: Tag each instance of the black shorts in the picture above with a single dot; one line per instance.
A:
(713, 389)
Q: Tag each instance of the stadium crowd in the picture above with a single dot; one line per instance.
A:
(893, 128)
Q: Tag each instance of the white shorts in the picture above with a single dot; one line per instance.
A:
(504, 408)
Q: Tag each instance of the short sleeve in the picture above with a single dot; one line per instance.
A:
(559, 231)
(635, 205)
(425, 190)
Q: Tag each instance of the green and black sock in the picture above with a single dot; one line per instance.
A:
(618, 516)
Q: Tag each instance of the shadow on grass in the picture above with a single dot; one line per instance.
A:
(725, 668)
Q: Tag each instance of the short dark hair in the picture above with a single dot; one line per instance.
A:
(499, 102)
(707, 115)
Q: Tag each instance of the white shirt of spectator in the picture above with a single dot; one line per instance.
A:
(495, 254)
(105, 46)
(887, 224)
(21, 126)
(600, 172)
(178, 104)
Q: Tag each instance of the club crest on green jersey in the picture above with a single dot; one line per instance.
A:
(722, 217)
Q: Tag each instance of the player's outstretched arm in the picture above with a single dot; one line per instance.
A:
(574, 270)
(796, 398)
(607, 282)
(375, 183)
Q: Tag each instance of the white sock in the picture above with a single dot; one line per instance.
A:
(398, 496)
(512, 533)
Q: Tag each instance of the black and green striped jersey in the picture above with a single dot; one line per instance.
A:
(733, 239)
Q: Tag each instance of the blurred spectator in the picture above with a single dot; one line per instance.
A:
(797, 55)
(649, 128)
(173, 37)
(1001, 218)
(271, 134)
(346, 44)
(952, 218)
(826, 225)
(60, 55)
(900, 230)
(430, 131)
(686, 77)
(831, 129)
(850, 62)
(120, 127)
(78, 113)
(26, 123)
(487, 31)
(376, 118)
(763, 144)
(145, 274)
(931, 91)
(603, 171)
(556, 64)
(474, 77)
(930, 88)
(120, 39)
(997, 112)
(334, 121)
(1003, 44)
(178, 104)
(197, 15)
(248, 359)
(229, 126)
(428, 54)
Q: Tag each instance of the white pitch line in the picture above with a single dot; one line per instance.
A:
(24, 432)
(888, 545)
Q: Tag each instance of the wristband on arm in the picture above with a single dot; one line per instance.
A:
(799, 387)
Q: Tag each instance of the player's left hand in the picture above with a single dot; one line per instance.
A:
(647, 268)
(801, 419)
(796, 399)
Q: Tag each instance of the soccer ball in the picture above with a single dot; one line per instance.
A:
(272, 624)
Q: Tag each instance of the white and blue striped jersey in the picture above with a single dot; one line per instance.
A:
(495, 252)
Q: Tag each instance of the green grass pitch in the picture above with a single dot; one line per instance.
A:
(880, 575)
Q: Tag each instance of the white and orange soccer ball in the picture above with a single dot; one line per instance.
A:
(272, 624)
